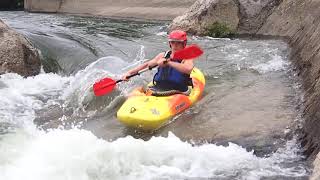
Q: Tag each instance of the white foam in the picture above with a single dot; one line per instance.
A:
(213, 38)
(163, 33)
(275, 64)
(78, 154)
(22, 96)
(80, 93)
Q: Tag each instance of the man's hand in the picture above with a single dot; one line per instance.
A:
(125, 76)
(162, 62)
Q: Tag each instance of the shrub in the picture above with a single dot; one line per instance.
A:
(219, 30)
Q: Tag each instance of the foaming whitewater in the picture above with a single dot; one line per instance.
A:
(275, 64)
(80, 93)
(78, 154)
(20, 97)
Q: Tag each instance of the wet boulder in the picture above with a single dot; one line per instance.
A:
(204, 13)
(17, 55)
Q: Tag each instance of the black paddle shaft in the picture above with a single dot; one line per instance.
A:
(138, 73)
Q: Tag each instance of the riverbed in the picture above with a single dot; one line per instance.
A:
(53, 127)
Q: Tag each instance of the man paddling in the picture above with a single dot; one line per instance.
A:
(173, 74)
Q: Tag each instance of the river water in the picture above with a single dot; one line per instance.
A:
(52, 126)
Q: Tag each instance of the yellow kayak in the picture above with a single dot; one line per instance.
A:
(148, 112)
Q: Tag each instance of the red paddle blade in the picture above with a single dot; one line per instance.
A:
(104, 86)
(189, 52)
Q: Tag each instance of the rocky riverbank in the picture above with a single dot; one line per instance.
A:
(17, 54)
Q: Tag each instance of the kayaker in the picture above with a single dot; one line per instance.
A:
(173, 74)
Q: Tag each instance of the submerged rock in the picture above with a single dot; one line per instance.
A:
(17, 54)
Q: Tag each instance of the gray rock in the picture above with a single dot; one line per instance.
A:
(17, 54)
(206, 12)
(253, 14)
(242, 16)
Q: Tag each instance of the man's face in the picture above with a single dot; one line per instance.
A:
(176, 45)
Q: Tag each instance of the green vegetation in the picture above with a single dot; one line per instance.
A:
(19, 3)
(219, 30)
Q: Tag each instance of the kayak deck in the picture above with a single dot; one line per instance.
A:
(148, 112)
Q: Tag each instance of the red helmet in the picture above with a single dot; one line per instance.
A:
(178, 35)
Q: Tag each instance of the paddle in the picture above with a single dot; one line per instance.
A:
(106, 85)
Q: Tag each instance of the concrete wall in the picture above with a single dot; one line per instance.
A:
(42, 5)
(145, 9)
